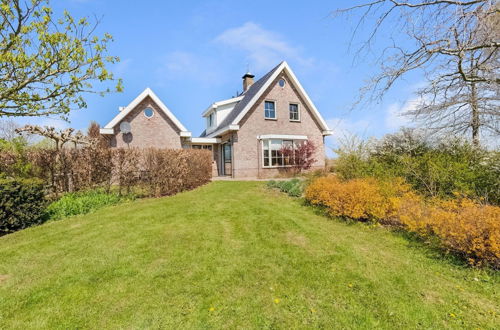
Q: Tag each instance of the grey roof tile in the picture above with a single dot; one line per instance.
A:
(248, 95)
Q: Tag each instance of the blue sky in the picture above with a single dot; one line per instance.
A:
(192, 53)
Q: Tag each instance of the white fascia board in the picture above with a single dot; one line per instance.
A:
(208, 110)
(328, 132)
(217, 104)
(284, 66)
(282, 137)
(223, 130)
(106, 131)
(204, 140)
(304, 94)
(228, 101)
(136, 101)
(185, 134)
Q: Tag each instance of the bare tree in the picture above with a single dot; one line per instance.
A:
(454, 43)
(8, 130)
(60, 138)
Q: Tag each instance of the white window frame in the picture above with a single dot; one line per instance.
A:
(146, 108)
(264, 141)
(298, 111)
(275, 110)
(211, 118)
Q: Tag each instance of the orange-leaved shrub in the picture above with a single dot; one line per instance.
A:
(363, 199)
(462, 225)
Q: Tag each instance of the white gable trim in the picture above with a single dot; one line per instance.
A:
(282, 137)
(286, 67)
(147, 92)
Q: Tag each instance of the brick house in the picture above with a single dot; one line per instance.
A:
(245, 133)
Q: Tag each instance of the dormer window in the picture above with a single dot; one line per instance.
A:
(211, 120)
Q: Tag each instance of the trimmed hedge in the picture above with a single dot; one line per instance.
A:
(22, 204)
(156, 172)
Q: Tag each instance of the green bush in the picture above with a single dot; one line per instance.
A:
(435, 168)
(82, 203)
(293, 187)
(22, 204)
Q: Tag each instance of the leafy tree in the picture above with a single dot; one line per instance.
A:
(47, 63)
(299, 156)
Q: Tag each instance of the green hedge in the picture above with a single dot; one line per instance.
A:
(22, 204)
(293, 187)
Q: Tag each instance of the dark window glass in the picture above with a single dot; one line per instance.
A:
(270, 109)
(294, 112)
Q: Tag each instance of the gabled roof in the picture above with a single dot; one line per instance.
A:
(256, 90)
(108, 129)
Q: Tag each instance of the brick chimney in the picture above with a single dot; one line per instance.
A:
(247, 81)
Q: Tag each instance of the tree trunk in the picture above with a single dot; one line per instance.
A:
(475, 115)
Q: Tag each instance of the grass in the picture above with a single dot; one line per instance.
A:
(232, 254)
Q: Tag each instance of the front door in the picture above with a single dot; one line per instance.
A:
(227, 156)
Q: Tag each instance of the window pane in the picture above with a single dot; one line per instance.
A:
(294, 111)
(269, 109)
(276, 144)
(227, 152)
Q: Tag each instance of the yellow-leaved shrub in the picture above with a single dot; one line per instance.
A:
(462, 225)
(364, 199)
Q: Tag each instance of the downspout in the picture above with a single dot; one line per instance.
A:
(258, 158)
(232, 155)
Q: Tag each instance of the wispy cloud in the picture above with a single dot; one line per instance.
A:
(263, 48)
(395, 118)
(344, 129)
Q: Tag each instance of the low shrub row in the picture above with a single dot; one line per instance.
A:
(82, 203)
(293, 187)
(463, 226)
(22, 204)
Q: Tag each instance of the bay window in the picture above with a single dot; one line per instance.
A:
(273, 155)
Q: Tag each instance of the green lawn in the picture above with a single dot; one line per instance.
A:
(232, 254)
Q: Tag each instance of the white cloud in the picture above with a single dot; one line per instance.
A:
(395, 118)
(264, 48)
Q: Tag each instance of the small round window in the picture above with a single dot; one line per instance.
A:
(148, 112)
(282, 82)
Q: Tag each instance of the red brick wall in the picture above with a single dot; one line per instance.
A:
(247, 151)
(158, 131)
